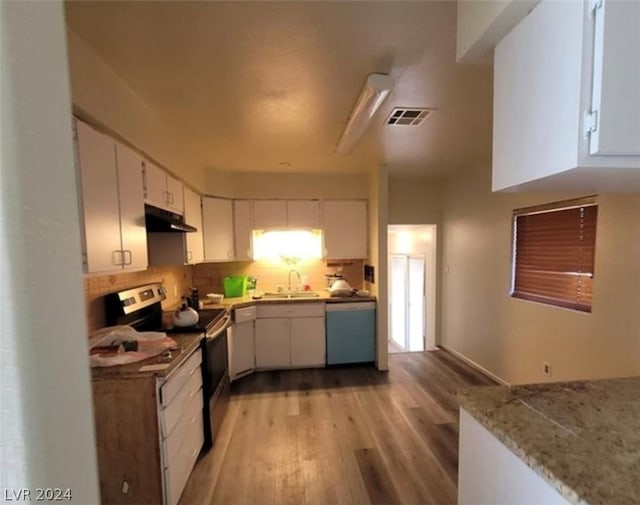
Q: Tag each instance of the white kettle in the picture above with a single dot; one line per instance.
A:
(341, 288)
(185, 316)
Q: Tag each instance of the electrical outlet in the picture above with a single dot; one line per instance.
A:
(546, 368)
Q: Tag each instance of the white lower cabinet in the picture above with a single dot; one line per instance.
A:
(149, 432)
(181, 425)
(308, 342)
(290, 335)
(272, 343)
(241, 340)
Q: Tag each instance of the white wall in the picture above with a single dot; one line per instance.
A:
(46, 421)
(287, 185)
(103, 98)
(512, 337)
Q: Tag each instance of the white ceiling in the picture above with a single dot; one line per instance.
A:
(259, 84)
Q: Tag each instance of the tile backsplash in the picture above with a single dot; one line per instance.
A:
(208, 277)
(176, 279)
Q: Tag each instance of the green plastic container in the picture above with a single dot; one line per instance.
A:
(235, 286)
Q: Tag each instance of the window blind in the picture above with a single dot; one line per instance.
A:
(554, 252)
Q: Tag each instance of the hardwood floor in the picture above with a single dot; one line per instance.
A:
(339, 436)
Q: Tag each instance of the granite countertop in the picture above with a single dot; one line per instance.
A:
(187, 342)
(583, 438)
(247, 301)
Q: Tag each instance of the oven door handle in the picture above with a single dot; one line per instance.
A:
(224, 323)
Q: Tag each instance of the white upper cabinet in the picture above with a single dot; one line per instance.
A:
(242, 228)
(567, 99)
(286, 214)
(269, 214)
(193, 216)
(132, 222)
(345, 224)
(111, 193)
(303, 214)
(175, 190)
(217, 219)
(162, 190)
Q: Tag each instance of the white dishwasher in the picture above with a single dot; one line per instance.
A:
(351, 332)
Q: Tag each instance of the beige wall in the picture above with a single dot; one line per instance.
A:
(286, 185)
(511, 337)
(101, 97)
(378, 220)
(414, 200)
(481, 24)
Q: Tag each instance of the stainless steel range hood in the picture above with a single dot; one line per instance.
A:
(163, 221)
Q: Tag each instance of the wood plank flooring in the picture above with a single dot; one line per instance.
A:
(334, 436)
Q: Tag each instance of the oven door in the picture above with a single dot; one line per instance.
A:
(215, 377)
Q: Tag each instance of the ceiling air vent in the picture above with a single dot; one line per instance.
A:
(411, 116)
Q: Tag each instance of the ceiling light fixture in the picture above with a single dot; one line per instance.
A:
(375, 90)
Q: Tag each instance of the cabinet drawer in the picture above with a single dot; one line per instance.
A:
(178, 471)
(191, 420)
(291, 310)
(244, 314)
(180, 376)
(171, 414)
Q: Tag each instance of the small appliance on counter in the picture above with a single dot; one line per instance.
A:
(341, 288)
(331, 278)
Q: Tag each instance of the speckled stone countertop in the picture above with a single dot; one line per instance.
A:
(583, 438)
(247, 301)
(187, 342)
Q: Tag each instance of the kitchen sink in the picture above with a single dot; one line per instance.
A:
(290, 294)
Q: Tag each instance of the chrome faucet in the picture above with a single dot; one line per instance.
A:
(299, 278)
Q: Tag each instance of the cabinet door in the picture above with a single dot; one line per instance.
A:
(242, 228)
(175, 195)
(131, 191)
(308, 341)
(217, 220)
(272, 343)
(269, 214)
(155, 185)
(616, 79)
(193, 216)
(242, 349)
(100, 211)
(345, 228)
(303, 214)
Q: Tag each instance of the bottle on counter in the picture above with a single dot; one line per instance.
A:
(195, 298)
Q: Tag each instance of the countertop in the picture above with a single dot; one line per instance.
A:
(583, 438)
(187, 342)
(247, 301)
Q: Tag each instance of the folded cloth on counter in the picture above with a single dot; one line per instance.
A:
(106, 346)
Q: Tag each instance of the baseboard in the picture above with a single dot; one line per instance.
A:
(475, 365)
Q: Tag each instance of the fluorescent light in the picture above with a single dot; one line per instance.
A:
(375, 90)
(288, 246)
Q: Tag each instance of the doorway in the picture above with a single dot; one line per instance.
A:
(407, 302)
(412, 287)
